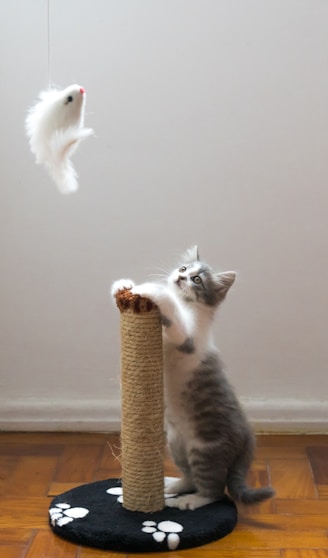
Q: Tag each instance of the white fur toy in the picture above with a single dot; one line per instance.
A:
(55, 126)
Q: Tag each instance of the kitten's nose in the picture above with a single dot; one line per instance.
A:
(180, 278)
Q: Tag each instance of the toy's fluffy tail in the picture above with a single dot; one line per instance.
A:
(62, 145)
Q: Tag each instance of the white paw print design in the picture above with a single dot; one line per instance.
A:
(63, 514)
(163, 529)
(116, 491)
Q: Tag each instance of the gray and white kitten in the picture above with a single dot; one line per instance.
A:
(208, 434)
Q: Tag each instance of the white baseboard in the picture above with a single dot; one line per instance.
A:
(82, 415)
(93, 415)
(287, 415)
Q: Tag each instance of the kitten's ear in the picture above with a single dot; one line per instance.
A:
(192, 254)
(226, 279)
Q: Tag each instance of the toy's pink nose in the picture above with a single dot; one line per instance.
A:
(82, 90)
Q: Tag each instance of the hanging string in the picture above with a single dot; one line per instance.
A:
(48, 42)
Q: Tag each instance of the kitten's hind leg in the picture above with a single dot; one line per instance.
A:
(180, 486)
(208, 477)
(189, 501)
(178, 452)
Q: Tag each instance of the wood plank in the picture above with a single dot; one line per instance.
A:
(209, 551)
(273, 540)
(104, 474)
(47, 544)
(30, 449)
(258, 475)
(200, 551)
(170, 469)
(57, 488)
(111, 451)
(318, 457)
(57, 438)
(288, 440)
(23, 513)
(78, 463)
(7, 464)
(292, 478)
(266, 507)
(301, 507)
(110, 462)
(15, 537)
(281, 452)
(322, 491)
(12, 551)
(301, 553)
(283, 522)
(31, 476)
(250, 553)
(96, 553)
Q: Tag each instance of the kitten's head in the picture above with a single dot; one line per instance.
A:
(195, 282)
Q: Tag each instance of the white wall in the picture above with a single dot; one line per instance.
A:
(212, 128)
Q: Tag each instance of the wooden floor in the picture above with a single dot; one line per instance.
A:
(35, 467)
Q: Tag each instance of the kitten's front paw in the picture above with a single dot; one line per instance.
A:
(121, 285)
(148, 290)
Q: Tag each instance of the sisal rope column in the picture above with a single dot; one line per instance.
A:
(142, 434)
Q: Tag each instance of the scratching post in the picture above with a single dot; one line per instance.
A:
(95, 514)
(142, 434)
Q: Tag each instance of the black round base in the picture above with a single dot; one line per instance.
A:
(93, 515)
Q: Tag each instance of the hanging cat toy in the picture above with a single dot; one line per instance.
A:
(55, 127)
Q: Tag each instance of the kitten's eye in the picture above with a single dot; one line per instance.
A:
(197, 279)
(69, 99)
(182, 269)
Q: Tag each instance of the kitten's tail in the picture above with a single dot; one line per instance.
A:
(241, 492)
